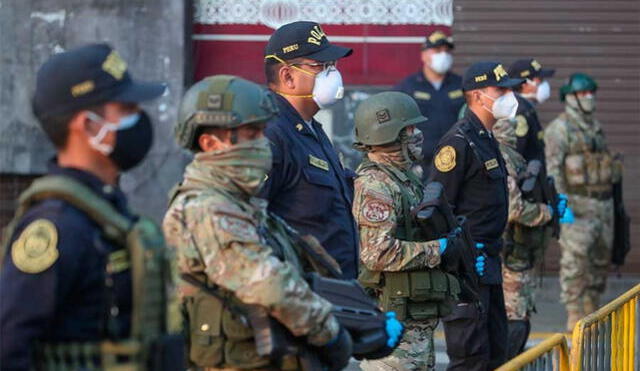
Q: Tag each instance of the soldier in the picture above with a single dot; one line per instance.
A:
(580, 162)
(535, 90)
(393, 248)
(308, 186)
(437, 90)
(78, 266)
(469, 165)
(521, 253)
(227, 242)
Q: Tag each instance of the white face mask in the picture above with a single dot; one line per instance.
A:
(544, 92)
(504, 107)
(441, 62)
(328, 88)
(96, 141)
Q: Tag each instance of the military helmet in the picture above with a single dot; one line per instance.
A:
(221, 101)
(381, 117)
(578, 82)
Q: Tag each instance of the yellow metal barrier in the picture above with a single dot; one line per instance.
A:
(551, 354)
(609, 339)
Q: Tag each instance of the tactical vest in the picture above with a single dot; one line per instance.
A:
(418, 294)
(218, 330)
(589, 168)
(155, 312)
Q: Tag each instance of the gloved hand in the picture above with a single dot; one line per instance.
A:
(568, 217)
(443, 245)
(563, 200)
(337, 352)
(480, 260)
(394, 330)
(550, 208)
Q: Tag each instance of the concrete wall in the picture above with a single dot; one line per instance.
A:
(149, 34)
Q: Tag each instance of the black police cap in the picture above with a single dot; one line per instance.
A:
(528, 69)
(86, 76)
(483, 74)
(303, 39)
(436, 39)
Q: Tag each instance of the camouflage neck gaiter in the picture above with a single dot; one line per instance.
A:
(403, 153)
(240, 168)
(505, 132)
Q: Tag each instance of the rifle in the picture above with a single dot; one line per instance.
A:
(436, 218)
(621, 221)
(537, 187)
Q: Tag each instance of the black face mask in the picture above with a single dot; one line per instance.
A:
(133, 143)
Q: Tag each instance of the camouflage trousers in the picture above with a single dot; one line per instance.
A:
(518, 289)
(415, 352)
(586, 251)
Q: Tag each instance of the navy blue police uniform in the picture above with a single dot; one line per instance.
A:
(54, 283)
(308, 186)
(469, 165)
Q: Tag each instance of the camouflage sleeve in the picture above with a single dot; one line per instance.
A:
(375, 214)
(556, 147)
(522, 211)
(234, 257)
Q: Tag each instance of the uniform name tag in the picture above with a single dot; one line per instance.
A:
(319, 163)
(491, 164)
(421, 95)
(455, 94)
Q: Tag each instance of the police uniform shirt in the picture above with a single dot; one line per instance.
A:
(441, 106)
(529, 131)
(66, 298)
(309, 188)
(469, 165)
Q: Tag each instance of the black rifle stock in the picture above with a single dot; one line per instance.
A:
(436, 218)
(536, 186)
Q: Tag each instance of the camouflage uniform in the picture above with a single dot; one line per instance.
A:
(379, 211)
(518, 286)
(580, 162)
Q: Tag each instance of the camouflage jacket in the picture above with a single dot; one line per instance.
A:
(577, 153)
(380, 214)
(521, 211)
(215, 229)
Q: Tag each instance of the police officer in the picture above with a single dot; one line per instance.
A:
(394, 249)
(535, 90)
(469, 165)
(227, 241)
(308, 186)
(437, 90)
(66, 274)
(579, 160)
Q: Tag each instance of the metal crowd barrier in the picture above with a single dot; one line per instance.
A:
(550, 355)
(609, 339)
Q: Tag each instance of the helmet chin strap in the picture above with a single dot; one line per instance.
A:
(580, 105)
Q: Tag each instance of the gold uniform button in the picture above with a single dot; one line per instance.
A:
(204, 327)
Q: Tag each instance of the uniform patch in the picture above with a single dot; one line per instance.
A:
(445, 159)
(491, 164)
(455, 94)
(383, 116)
(375, 211)
(238, 228)
(37, 247)
(522, 127)
(319, 163)
(421, 95)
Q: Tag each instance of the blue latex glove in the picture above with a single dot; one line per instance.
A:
(394, 329)
(563, 200)
(568, 217)
(443, 245)
(480, 260)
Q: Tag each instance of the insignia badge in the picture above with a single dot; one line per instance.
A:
(375, 211)
(455, 94)
(383, 116)
(319, 163)
(299, 127)
(491, 164)
(522, 127)
(421, 95)
(541, 135)
(114, 65)
(37, 247)
(445, 159)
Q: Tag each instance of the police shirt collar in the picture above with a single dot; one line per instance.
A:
(476, 124)
(299, 124)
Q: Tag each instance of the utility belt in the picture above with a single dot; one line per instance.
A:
(524, 246)
(418, 295)
(599, 192)
(129, 355)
